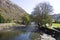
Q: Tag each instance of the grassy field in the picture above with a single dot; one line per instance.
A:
(56, 25)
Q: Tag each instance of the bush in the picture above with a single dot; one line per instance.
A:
(2, 19)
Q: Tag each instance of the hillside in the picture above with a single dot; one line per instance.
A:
(10, 10)
(56, 16)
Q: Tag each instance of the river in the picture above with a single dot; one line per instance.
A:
(24, 34)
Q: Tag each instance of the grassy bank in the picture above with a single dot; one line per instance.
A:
(56, 25)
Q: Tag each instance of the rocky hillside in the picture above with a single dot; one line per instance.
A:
(11, 10)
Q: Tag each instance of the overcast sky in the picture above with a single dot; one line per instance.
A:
(28, 5)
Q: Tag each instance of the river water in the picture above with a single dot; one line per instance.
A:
(24, 34)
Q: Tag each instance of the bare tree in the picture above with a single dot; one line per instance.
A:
(42, 13)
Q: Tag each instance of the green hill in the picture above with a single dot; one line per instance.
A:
(10, 10)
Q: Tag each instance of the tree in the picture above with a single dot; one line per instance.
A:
(2, 19)
(41, 14)
(26, 19)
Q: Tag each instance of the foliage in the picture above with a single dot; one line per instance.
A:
(26, 19)
(42, 13)
(57, 21)
(2, 19)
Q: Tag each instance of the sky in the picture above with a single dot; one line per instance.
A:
(29, 5)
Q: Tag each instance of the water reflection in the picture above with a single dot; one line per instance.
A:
(17, 35)
(21, 34)
(8, 35)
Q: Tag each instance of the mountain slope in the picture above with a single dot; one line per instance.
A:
(56, 16)
(11, 10)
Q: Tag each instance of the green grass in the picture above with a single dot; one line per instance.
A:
(56, 25)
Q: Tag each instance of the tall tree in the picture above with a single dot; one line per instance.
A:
(42, 13)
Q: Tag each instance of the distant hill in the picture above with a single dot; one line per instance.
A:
(56, 17)
(11, 10)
